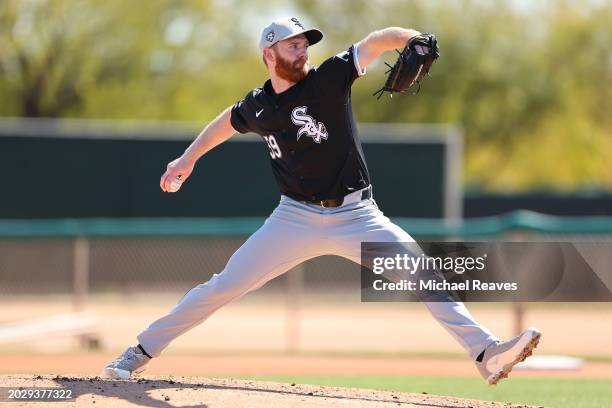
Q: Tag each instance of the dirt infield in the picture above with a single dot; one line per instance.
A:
(248, 365)
(323, 324)
(227, 393)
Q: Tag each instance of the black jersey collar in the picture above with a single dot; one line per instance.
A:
(269, 90)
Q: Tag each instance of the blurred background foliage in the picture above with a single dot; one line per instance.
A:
(529, 82)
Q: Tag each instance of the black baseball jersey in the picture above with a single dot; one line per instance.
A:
(310, 131)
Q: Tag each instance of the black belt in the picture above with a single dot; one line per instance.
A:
(337, 202)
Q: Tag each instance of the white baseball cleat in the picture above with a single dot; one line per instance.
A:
(499, 358)
(132, 361)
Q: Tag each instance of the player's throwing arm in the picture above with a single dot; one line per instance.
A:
(179, 169)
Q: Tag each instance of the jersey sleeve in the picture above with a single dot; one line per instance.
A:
(242, 111)
(340, 71)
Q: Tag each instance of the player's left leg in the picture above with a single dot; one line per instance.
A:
(364, 222)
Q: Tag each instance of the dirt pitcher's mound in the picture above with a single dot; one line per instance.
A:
(205, 392)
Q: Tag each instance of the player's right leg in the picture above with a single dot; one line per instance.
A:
(288, 238)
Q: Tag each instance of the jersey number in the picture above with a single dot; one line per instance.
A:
(275, 152)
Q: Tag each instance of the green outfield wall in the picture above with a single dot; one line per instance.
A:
(92, 169)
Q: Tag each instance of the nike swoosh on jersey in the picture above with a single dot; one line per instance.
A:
(258, 113)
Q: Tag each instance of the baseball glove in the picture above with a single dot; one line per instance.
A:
(411, 65)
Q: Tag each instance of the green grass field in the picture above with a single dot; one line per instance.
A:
(547, 392)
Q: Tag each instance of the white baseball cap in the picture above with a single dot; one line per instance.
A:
(286, 28)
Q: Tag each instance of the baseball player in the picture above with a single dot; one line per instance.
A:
(326, 207)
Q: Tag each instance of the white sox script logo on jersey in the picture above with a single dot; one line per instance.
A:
(309, 126)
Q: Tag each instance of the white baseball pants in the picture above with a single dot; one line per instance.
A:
(294, 233)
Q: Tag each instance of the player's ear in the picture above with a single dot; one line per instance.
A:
(268, 56)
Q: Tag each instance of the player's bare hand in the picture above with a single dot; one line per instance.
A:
(176, 174)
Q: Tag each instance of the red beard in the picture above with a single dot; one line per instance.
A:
(292, 72)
